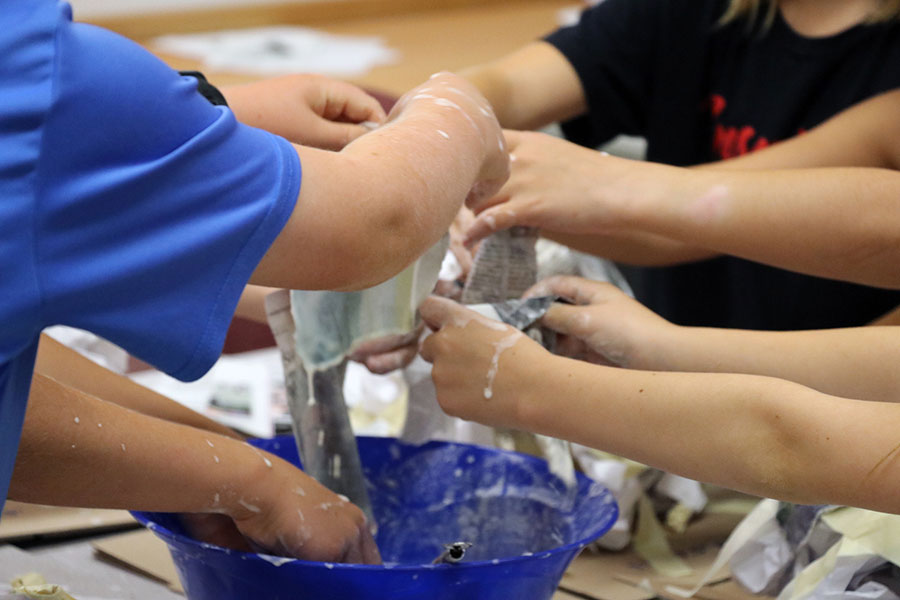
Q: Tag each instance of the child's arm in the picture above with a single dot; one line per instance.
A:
(608, 327)
(252, 305)
(365, 213)
(761, 435)
(833, 222)
(516, 86)
(77, 450)
(547, 169)
(61, 363)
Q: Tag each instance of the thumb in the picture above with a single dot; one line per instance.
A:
(569, 320)
(490, 221)
(438, 312)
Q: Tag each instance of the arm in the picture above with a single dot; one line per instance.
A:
(252, 305)
(866, 135)
(79, 451)
(57, 361)
(365, 213)
(843, 219)
(761, 435)
(837, 222)
(549, 176)
(606, 326)
(516, 86)
(634, 248)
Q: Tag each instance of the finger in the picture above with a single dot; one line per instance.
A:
(349, 103)
(427, 349)
(568, 320)
(448, 289)
(354, 552)
(381, 345)
(370, 553)
(574, 289)
(490, 221)
(382, 364)
(438, 312)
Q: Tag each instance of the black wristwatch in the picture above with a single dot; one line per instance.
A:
(206, 89)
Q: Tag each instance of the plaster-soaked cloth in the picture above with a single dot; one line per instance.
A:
(315, 332)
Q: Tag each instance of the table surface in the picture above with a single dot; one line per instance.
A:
(429, 41)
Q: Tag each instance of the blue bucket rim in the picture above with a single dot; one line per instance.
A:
(167, 534)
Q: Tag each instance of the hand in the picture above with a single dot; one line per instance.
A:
(311, 110)
(561, 187)
(449, 92)
(287, 513)
(389, 353)
(605, 326)
(481, 368)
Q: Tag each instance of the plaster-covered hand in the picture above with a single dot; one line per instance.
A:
(479, 367)
(561, 187)
(70, 438)
(311, 110)
(450, 92)
(287, 513)
(604, 325)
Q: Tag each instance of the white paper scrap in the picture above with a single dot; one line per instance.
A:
(280, 50)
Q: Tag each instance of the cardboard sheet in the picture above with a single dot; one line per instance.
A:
(143, 551)
(22, 521)
(75, 568)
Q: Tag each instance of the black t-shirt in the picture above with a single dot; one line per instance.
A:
(697, 91)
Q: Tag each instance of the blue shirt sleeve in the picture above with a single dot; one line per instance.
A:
(154, 207)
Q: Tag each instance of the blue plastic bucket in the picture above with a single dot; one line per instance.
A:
(524, 526)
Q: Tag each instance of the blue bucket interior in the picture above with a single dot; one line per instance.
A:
(525, 527)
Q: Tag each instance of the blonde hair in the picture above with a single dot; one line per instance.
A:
(752, 10)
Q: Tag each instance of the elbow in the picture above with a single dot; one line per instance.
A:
(388, 243)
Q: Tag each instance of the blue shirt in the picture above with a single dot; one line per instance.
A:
(129, 205)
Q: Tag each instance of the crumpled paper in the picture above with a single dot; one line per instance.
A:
(33, 585)
(817, 552)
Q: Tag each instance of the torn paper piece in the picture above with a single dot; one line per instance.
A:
(33, 585)
(280, 50)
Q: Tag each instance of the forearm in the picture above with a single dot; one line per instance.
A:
(77, 450)
(252, 305)
(369, 211)
(760, 435)
(852, 363)
(837, 223)
(516, 86)
(63, 364)
(633, 248)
